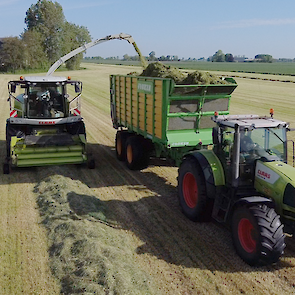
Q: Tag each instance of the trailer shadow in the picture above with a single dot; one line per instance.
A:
(168, 235)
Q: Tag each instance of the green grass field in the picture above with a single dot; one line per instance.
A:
(277, 68)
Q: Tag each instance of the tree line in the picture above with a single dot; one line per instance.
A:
(47, 37)
(219, 56)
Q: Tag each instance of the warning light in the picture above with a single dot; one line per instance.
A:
(215, 114)
(271, 111)
(21, 78)
(69, 78)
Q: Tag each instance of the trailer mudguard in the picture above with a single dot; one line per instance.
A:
(212, 170)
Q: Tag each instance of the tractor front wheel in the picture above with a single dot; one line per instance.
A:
(192, 190)
(257, 234)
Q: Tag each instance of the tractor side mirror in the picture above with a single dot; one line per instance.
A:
(78, 87)
(12, 88)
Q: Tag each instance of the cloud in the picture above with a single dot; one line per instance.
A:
(247, 23)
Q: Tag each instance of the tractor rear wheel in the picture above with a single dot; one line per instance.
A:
(137, 156)
(120, 144)
(257, 234)
(192, 191)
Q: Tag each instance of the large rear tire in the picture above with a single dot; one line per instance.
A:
(192, 191)
(137, 155)
(120, 144)
(257, 234)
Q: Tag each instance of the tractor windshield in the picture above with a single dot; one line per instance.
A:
(269, 143)
(45, 100)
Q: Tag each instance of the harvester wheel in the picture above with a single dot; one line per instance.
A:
(136, 154)
(120, 144)
(192, 191)
(257, 234)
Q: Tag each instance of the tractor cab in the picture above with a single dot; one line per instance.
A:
(241, 140)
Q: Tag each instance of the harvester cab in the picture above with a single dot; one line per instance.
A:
(45, 125)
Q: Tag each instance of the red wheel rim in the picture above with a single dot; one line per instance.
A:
(246, 232)
(190, 190)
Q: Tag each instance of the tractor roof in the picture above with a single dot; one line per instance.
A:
(45, 79)
(248, 121)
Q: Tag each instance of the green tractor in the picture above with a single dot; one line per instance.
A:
(245, 182)
(45, 125)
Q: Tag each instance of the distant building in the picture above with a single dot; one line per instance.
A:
(240, 58)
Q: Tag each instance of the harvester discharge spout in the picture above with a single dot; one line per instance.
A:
(84, 47)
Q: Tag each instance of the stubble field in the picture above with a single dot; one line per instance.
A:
(114, 231)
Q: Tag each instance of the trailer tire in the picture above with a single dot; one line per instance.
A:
(137, 156)
(120, 144)
(192, 191)
(257, 234)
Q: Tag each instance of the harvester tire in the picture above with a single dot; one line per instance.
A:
(257, 234)
(120, 144)
(192, 191)
(137, 156)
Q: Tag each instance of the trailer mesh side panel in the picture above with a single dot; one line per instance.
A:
(138, 110)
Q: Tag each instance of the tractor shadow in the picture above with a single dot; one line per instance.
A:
(156, 220)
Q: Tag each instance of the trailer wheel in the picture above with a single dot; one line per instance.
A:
(192, 191)
(136, 154)
(257, 234)
(120, 144)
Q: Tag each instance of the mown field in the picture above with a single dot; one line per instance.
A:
(110, 230)
(277, 68)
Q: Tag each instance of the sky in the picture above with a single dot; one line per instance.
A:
(184, 28)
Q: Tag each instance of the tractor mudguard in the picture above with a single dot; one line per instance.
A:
(248, 201)
(256, 200)
(212, 170)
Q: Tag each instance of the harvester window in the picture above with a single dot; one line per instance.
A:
(45, 101)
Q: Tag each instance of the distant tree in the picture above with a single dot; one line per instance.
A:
(12, 55)
(263, 58)
(126, 57)
(48, 19)
(229, 57)
(218, 56)
(73, 37)
(152, 56)
(34, 51)
(58, 37)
